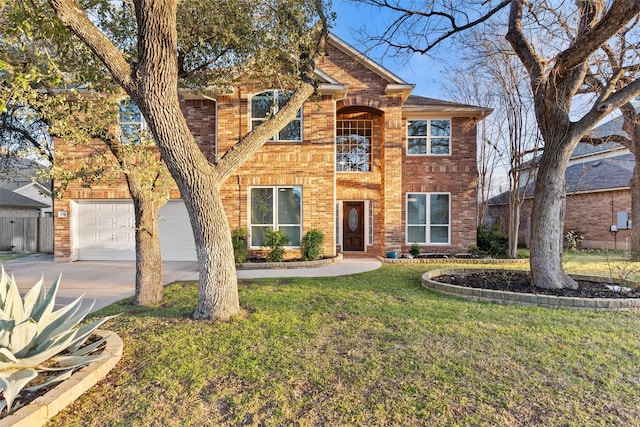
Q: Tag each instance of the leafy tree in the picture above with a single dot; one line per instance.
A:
(87, 123)
(40, 60)
(556, 43)
(196, 43)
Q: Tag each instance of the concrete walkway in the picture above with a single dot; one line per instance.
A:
(110, 281)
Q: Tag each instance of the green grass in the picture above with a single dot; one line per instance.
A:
(374, 349)
(6, 256)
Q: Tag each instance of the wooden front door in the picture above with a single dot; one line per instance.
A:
(353, 226)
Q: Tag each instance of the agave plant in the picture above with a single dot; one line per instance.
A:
(33, 335)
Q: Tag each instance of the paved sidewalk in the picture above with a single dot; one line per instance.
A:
(110, 281)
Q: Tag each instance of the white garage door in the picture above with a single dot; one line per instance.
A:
(104, 230)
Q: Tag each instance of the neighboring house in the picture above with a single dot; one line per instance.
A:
(20, 176)
(372, 166)
(598, 194)
(15, 205)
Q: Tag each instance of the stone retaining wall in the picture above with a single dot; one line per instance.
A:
(516, 298)
(470, 261)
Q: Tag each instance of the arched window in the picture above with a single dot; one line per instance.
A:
(268, 103)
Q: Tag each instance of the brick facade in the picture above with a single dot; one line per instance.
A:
(218, 124)
(589, 213)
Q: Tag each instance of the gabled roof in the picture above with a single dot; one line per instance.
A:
(9, 198)
(41, 188)
(366, 61)
(395, 85)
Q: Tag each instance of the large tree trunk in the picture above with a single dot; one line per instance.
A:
(195, 177)
(148, 256)
(218, 280)
(547, 218)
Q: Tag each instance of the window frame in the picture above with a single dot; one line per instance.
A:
(141, 125)
(274, 206)
(428, 225)
(275, 93)
(428, 137)
(369, 154)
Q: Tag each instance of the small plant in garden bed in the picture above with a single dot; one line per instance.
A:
(36, 340)
(276, 240)
(240, 239)
(415, 250)
(311, 247)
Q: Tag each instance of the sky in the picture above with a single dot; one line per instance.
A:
(425, 72)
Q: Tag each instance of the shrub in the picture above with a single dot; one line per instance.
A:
(475, 251)
(33, 336)
(414, 250)
(276, 239)
(240, 239)
(574, 238)
(311, 245)
(492, 241)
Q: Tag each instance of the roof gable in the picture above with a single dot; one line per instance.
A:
(9, 198)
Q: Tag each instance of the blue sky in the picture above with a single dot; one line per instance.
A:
(423, 71)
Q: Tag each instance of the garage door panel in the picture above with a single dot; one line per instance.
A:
(105, 231)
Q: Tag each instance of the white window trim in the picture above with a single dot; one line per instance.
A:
(428, 136)
(427, 225)
(275, 138)
(274, 206)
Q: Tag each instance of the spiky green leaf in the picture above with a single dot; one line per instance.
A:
(33, 297)
(22, 337)
(52, 380)
(6, 326)
(13, 382)
(45, 307)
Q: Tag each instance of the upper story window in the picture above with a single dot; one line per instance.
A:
(429, 137)
(133, 127)
(353, 145)
(268, 103)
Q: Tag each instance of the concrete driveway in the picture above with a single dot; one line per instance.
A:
(110, 281)
(102, 281)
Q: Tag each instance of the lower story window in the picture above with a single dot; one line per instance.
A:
(428, 218)
(277, 208)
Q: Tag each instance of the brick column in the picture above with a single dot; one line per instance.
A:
(392, 229)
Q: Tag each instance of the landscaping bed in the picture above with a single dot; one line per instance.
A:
(520, 281)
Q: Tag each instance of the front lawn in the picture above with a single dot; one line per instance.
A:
(374, 349)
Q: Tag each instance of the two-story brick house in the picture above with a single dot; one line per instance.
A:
(375, 168)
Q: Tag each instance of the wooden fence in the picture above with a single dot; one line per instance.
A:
(26, 234)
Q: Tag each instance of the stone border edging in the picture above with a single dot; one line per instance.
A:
(522, 299)
(45, 407)
(490, 261)
(288, 265)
